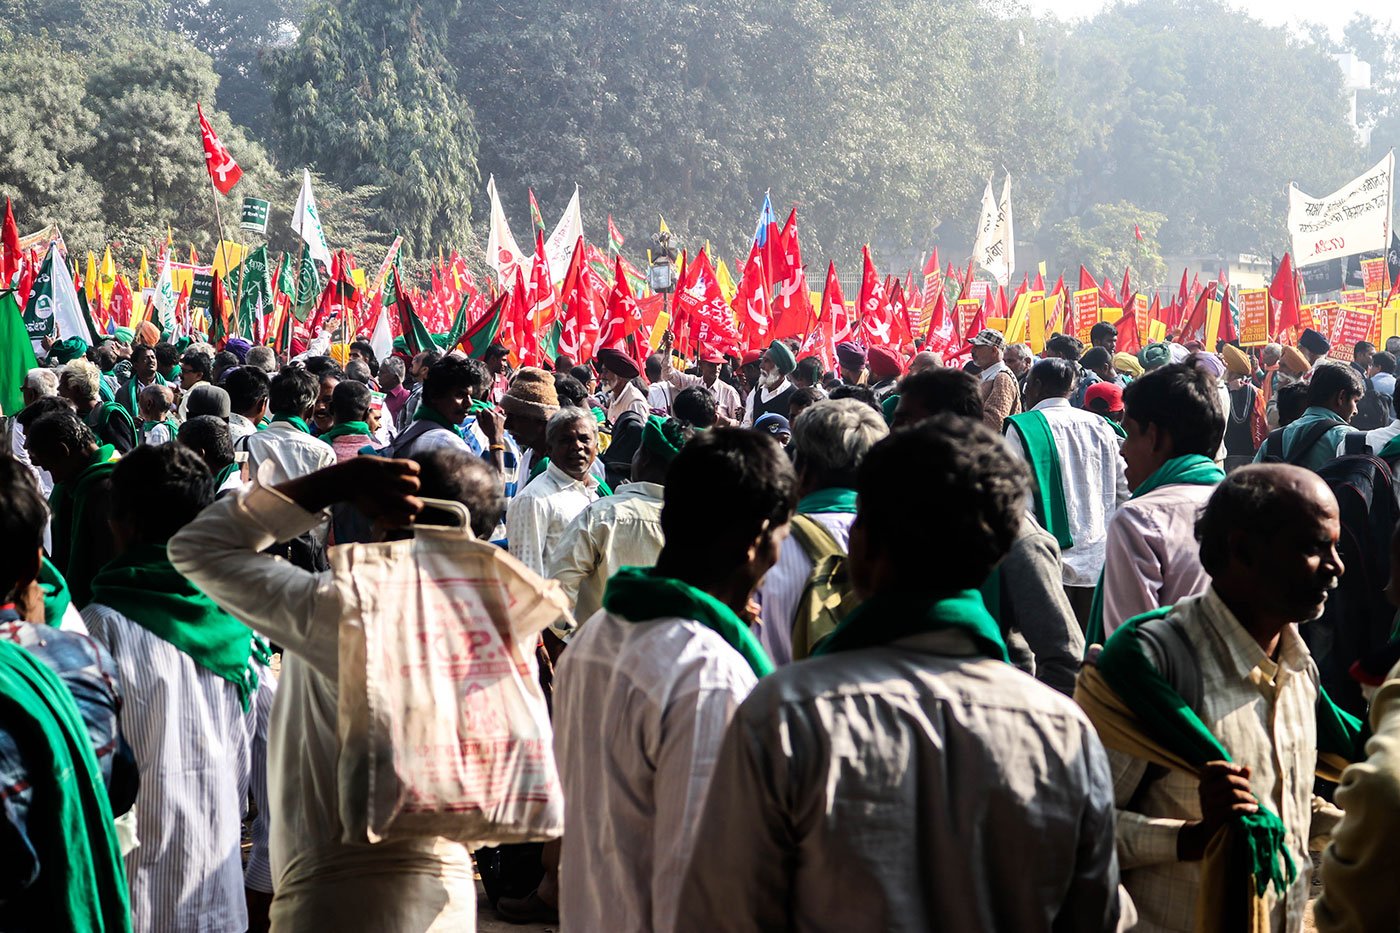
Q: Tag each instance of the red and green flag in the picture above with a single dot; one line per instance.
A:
(480, 335)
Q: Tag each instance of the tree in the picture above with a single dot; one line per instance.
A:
(1104, 239)
(367, 98)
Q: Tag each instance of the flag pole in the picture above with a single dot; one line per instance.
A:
(219, 232)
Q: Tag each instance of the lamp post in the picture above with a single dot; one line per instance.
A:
(661, 276)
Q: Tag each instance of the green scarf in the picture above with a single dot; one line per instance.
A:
(129, 400)
(1044, 461)
(72, 547)
(889, 617)
(56, 596)
(429, 413)
(294, 421)
(222, 476)
(823, 501)
(539, 466)
(81, 884)
(142, 585)
(1117, 428)
(340, 430)
(1391, 449)
(148, 426)
(640, 594)
(1169, 722)
(1190, 470)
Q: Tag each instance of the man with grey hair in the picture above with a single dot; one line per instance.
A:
(80, 383)
(540, 512)
(39, 382)
(1018, 358)
(264, 358)
(829, 441)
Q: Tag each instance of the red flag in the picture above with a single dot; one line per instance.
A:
(545, 303)
(1284, 290)
(1125, 292)
(1225, 328)
(1086, 279)
(525, 340)
(751, 305)
(9, 248)
(942, 329)
(1137, 231)
(932, 279)
(581, 308)
(1059, 288)
(623, 316)
(875, 321)
(120, 309)
(1195, 325)
(821, 343)
(1128, 327)
(223, 171)
(702, 303)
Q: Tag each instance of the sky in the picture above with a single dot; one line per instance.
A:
(1333, 14)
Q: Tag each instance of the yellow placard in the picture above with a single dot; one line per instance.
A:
(1212, 323)
(658, 330)
(1390, 320)
(1254, 317)
(1035, 326)
(1156, 332)
(1111, 315)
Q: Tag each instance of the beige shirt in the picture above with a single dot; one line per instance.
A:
(621, 530)
(407, 886)
(1263, 713)
(1362, 863)
(914, 786)
(629, 399)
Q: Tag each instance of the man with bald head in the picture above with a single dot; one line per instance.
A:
(1233, 654)
(924, 361)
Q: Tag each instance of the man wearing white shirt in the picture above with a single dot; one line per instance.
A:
(1084, 452)
(729, 405)
(539, 513)
(1001, 393)
(619, 373)
(645, 690)
(287, 443)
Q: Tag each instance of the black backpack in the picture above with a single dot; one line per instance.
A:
(1375, 410)
(1358, 617)
(1273, 444)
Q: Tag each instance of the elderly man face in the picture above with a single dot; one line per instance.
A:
(1017, 359)
(573, 445)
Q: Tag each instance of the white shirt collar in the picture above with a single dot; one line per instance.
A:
(770, 394)
(1056, 402)
(991, 372)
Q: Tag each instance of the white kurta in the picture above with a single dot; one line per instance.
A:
(640, 710)
(1091, 471)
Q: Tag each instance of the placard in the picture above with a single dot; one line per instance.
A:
(967, 313)
(1373, 274)
(254, 215)
(1254, 317)
(1086, 312)
(1353, 325)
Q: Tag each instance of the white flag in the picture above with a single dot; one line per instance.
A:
(306, 222)
(559, 248)
(165, 297)
(993, 248)
(383, 338)
(1353, 219)
(501, 250)
(67, 313)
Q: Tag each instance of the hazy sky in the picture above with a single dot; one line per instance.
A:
(1331, 13)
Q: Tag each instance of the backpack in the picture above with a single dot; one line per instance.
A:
(1357, 618)
(828, 596)
(1307, 440)
(1374, 410)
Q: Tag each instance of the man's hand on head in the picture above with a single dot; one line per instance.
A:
(383, 489)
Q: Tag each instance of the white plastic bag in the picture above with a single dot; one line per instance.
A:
(444, 729)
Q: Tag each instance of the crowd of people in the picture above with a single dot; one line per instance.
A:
(1011, 641)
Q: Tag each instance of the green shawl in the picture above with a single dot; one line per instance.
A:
(1391, 450)
(834, 499)
(298, 423)
(429, 413)
(889, 617)
(539, 466)
(128, 399)
(340, 430)
(73, 547)
(81, 884)
(1044, 459)
(1190, 470)
(640, 594)
(145, 587)
(56, 596)
(1167, 720)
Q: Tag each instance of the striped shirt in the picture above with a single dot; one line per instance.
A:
(200, 756)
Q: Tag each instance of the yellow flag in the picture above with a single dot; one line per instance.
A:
(143, 275)
(664, 228)
(107, 275)
(90, 277)
(727, 288)
(1042, 270)
(227, 255)
(169, 237)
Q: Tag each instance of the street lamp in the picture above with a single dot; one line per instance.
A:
(661, 277)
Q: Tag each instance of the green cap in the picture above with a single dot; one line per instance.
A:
(663, 437)
(782, 357)
(69, 349)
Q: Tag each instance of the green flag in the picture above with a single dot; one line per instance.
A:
(16, 353)
(251, 289)
(459, 323)
(308, 288)
(483, 333)
(415, 334)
